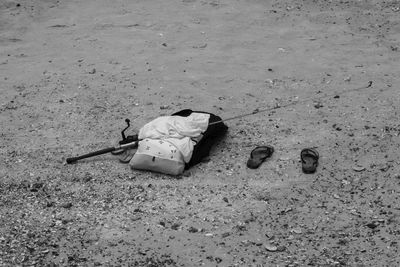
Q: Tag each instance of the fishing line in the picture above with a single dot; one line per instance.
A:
(277, 106)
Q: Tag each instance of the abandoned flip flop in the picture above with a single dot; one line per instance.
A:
(309, 160)
(127, 155)
(259, 155)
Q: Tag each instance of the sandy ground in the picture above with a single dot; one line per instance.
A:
(72, 71)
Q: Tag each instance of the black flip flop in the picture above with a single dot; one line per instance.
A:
(309, 160)
(259, 155)
(127, 155)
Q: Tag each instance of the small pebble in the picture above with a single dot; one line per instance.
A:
(372, 225)
(297, 231)
(358, 168)
(281, 248)
(175, 226)
(270, 247)
(193, 229)
(318, 105)
(164, 107)
(66, 205)
(226, 234)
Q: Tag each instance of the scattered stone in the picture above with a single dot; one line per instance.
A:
(246, 242)
(226, 234)
(358, 168)
(336, 127)
(225, 199)
(36, 186)
(87, 178)
(318, 105)
(193, 229)
(281, 248)
(372, 225)
(285, 210)
(200, 46)
(164, 107)
(297, 231)
(59, 26)
(270, 247)
(384, 167)
(175, 226)
(66, 205)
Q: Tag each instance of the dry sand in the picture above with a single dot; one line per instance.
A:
(72, 71)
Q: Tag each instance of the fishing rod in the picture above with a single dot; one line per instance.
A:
(277, 106)
(127, 142)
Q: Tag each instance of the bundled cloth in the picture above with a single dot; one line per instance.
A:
(171, 144)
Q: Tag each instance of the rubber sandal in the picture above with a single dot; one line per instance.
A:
(259, 155)
(127, 155)
(309, 160)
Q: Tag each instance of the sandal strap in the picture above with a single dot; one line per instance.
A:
(309, 152)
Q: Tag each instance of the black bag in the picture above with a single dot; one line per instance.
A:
(210, 136)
